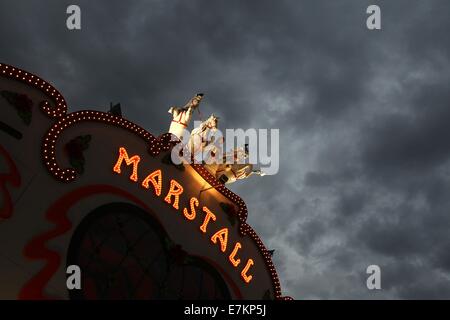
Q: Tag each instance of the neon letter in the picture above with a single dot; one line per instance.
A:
(192, 203)
(247, 278)
(175, 190)
(222, 235)
(209, 215)
(233, 255)
(157, 185)
(123, 155)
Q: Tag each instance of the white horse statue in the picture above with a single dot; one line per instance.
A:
(202, 139)
(182, 116)
(206, 144)
(233, 169)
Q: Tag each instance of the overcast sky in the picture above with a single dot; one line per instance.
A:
(363, 117)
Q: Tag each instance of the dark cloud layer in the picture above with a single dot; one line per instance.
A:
(363, 116)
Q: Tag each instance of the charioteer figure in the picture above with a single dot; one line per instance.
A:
(182, 116)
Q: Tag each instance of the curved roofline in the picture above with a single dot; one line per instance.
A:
(57, 110)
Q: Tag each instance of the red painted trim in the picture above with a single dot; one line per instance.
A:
(57, 213)
(13, 178)
(36, 248)
(180, 122)
(156, 145)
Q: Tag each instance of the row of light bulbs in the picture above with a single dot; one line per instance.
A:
(156, 145)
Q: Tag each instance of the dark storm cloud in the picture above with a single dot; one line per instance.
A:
(364, 172)
(350, 204)
(314, 179)
(405, 144)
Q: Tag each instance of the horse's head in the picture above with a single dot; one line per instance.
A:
(212, 122)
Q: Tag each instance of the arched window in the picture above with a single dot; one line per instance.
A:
(124, 253)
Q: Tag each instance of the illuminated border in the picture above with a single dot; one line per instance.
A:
(58, 111)
(60, 107)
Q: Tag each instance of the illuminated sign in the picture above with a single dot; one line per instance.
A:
(172, 198)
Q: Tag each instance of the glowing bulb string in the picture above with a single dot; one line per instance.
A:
(58, 111)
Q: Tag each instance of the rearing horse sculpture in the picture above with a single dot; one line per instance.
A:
(205, 145)
(202, 138)
(234, 167)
